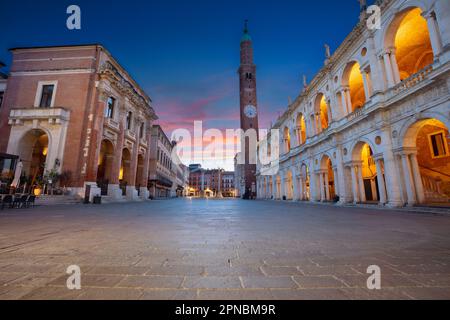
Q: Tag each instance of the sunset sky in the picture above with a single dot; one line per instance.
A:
(185, 54)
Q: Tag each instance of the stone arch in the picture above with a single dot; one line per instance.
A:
(322, 109)
(140, 171)
(105, 165)
(34, 150)
(289, 185)
(357, 148)
(125, 170)
(287, 139)
(425, 160)
(404, 137)
(301, 129)
(327, 185)
(408, 34)
(352, 78)
(365, 178)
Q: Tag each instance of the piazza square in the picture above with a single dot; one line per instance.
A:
(247, 158)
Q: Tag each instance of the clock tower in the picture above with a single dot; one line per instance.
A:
(249, 108)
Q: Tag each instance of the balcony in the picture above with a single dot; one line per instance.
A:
(130, 135)
(412, 81)
(56, 115)
(112, 124)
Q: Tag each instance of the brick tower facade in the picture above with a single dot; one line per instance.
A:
(249, 109)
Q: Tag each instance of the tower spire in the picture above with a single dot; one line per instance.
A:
(246, 26)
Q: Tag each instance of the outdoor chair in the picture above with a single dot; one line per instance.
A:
(19, 201)
(30, 201)
(7, 200)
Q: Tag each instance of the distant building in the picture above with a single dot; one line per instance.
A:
(168, 177)
(210, 183)
(239, 177)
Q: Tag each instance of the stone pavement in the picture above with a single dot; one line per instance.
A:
(222, 249)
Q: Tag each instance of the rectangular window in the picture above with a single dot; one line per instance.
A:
(46, 96)
(1, 98)
(142, 130)
(110, 105)
(129, 120)
(438, 145)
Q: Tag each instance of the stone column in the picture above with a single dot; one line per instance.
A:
(114, 190)
(395, 69)
(274, 187)
(388, 68)
(381, 183)
(327, 187)
(366, 85)
(283, 185)
(144, 192)
(132, 193)
(348, 101)
(408, 180)
(321, 183)
(296, 195)
(301, 188)
(354, 185)
(362, 191)
(417, 179)
(435, 38)
(344, 103)
(336, 182)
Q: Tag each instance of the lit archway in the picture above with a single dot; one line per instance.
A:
(426, 172)
(353, 79)
(410, 36)
(327, 180)
(33, 150)
(364, 175)
(289, 186)
(105, 163)
(125, 170)
(287, 140)
(321, 108)
(278, 185)
(305, 183)
(301, 129)
(140, 173)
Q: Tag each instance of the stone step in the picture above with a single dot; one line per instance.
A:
(46, 200)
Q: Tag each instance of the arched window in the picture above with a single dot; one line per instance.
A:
(301, 129)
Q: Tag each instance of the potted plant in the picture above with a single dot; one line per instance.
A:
(38, 186)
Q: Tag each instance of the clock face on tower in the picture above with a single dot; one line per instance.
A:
(250, 111)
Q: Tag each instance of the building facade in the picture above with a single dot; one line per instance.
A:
(373, 124)
(75, 112)
(210, 183)
(3, 83)
(168, 176)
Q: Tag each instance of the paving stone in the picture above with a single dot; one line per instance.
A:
(105, 281)
(387, 280)
(165, 294)
(269, 282)
(110, 294)
(234, 271)
(233, 295)
(281, 271)
(212, 282)
(163, 282)
(176, 271)
(314, 282)
(117, 270)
